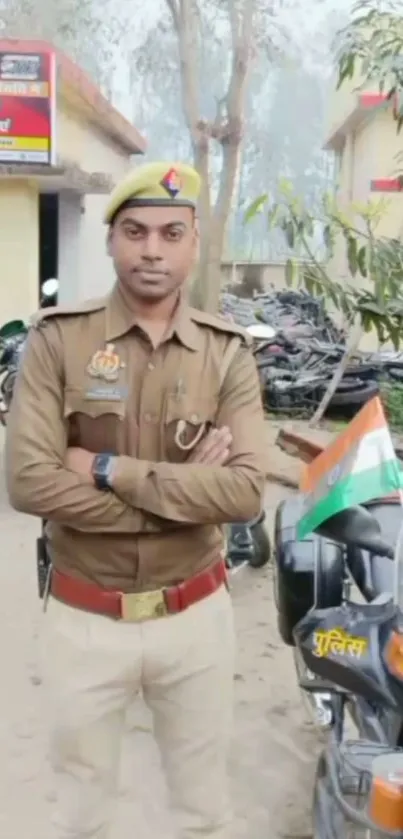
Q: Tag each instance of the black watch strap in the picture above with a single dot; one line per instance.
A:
(101, 469)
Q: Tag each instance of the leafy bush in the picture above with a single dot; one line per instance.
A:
(373, 292)
(392, 397)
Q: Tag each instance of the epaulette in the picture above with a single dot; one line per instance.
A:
(221, 323)
(84, 308)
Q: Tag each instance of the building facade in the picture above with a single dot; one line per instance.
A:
(363, 135)
(51, 215)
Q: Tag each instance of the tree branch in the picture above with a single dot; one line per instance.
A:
(188, 57)
(174, 10)
(242, 34)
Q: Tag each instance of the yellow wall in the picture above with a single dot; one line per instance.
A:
(19, 251)
(370, 152)
(341, 104)
(79, 142)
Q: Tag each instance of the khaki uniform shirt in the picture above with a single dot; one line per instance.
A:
(163, 522)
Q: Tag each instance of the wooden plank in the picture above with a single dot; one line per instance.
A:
(296, 445)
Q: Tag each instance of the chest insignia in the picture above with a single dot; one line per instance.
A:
(105, 364)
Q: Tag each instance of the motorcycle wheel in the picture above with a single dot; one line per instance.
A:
(356, 397)
(261, 544)
(362, 371)
(396, 373)
(350, 384)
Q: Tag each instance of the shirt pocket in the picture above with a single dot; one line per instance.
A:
(186, 421)
(94, 424)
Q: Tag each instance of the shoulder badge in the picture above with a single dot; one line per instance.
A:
(221, 324)
(84, 308)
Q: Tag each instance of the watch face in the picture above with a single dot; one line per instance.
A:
(101, 469)
(103, 463)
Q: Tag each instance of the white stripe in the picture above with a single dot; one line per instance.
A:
(374, 448)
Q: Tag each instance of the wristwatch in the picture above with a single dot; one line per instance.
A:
(101, 469)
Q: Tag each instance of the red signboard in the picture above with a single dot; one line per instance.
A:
(27, 107)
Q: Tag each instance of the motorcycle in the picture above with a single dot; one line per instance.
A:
(348, 657)
(295, 374)
(12, 341)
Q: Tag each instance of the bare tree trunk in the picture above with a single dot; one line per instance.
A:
(351, 349)
(241, 23)
(227, 130)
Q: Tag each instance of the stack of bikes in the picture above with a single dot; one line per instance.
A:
(300, 350)
(247, 544)
(339, 599)
(295, 374)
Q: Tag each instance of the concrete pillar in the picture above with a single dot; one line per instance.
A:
(19, 248)
(69, 247)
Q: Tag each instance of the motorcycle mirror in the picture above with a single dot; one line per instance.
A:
(50, 288)
(261, 331)
(356, 527)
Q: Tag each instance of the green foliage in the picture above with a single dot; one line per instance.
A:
(392, 397)
(371, 47)
(373, 292)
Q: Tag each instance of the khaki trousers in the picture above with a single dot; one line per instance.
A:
(94, 667)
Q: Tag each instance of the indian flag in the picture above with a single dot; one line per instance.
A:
(358, 466)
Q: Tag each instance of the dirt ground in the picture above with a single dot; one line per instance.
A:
(274, 746)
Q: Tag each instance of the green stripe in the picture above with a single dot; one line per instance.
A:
(355, 489)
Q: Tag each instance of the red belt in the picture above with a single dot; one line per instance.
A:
(140, 606)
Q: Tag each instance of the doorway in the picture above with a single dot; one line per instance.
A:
(48, 238)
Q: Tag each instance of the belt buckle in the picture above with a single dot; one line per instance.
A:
(143, 606)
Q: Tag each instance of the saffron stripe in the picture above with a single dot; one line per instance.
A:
(370, 418)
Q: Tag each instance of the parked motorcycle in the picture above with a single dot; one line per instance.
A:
(298, 363)
(12, 341)
(348, 657)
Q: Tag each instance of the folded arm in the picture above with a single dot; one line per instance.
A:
(37, 481)
(193, 493)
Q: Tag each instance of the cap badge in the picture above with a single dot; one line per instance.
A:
(172, 183)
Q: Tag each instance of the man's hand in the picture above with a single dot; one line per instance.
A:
(214, 450)
(79, 461)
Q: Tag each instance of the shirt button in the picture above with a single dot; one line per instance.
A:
(194, 417)
(151, 366)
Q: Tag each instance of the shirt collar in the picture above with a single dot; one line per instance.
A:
(120, 320)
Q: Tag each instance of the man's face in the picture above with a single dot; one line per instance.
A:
(153, 249)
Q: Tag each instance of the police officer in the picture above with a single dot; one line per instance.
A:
(136, 430)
